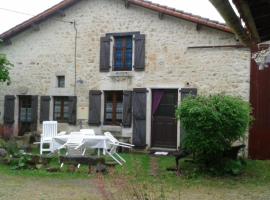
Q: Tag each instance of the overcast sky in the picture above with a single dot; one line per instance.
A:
(9, 19)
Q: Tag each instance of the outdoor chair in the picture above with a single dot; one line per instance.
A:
(114, 143)
(49, 130)
(88, 131)
(74, 146)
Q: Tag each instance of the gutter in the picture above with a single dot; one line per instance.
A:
(225, 9)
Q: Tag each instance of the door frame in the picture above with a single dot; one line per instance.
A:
(150, 102)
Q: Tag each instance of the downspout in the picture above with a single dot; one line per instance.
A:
(225, 9)
(245, 13)
(75, 58)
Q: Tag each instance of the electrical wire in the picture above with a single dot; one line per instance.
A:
(24, 13)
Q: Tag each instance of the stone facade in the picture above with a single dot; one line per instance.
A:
(39, 56)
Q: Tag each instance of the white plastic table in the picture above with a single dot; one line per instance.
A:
(90, 141)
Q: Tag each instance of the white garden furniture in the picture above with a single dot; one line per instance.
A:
(88, 131)
(49, 130)
(114, 143)
(74, 146)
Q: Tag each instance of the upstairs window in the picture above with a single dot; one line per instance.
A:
(60, 81)
(113, 107)
(123, 53)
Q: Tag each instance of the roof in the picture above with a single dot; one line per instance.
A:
(259, 11)
(145, 4)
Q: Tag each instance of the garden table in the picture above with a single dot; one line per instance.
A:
(89, 141)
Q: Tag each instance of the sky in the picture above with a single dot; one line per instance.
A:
(28, 8)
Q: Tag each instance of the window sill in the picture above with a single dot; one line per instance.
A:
(111, 128)
(121, 74)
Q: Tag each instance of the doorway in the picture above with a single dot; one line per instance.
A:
(164, 123)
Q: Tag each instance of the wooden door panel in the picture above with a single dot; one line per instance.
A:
(259, 137)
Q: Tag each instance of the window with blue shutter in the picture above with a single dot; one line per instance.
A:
(123, 53)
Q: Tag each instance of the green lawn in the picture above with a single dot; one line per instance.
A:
(144, 175)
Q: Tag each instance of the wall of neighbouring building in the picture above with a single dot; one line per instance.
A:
(39, 56)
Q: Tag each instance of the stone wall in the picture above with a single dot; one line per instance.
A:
(39, 56)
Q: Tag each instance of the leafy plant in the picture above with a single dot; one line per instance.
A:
(21, 161)
(5, 66)
(212, 125)
(2, 143)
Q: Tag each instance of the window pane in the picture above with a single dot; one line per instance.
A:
(61, 81)
(108, 107)
(119, 107)
(119, 116)
(123, 53)
(29, 114)
(108, 116)
(61, 108)
(113, 107)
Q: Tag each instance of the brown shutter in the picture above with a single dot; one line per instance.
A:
(185, 92)
(139, 117)
(139, 64)
(127, 108)
(72, 110)
(104, 54)
(9, 109)
(44, 108)
(34, 106)
(94, 107)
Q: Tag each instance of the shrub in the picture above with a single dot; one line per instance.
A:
(212, 125)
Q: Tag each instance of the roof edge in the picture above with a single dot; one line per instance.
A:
(182, 15)
(142, 3)
(37, 19)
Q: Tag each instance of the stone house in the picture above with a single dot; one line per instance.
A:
(120, 66)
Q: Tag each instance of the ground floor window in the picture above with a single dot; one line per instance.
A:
(60, 109)
(113, 107)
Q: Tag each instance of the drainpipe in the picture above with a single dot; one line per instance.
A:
(75, 58)
(225, 9)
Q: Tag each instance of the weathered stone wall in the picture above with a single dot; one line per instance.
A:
(39, 56)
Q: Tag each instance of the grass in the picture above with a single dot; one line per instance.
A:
(138, 167)
(137, 178)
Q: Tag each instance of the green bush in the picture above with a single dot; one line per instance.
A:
(212, 125)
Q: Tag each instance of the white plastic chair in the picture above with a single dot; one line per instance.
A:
(49, 130)
(114, 143)
(74, 146)
(88, 131)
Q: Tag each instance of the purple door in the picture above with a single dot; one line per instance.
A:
(164, 123)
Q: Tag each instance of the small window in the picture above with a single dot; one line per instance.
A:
(113, 107)
(123, 53)
(61, 81)
(60, 109)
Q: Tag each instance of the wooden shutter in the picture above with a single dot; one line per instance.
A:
(34, 106)
(72, 110)
(127, 108)
(9, 109)
(104, 54)
(139, 117)
(139, 64)
(94, 107)
(185, 92)
(44, 108)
